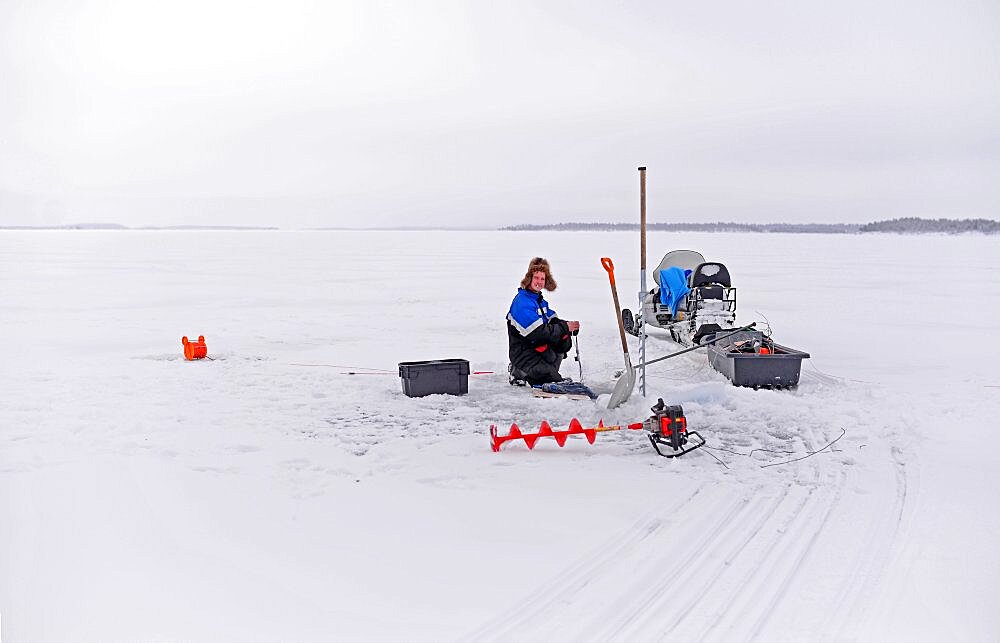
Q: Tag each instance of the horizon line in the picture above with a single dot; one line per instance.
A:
(576, 226)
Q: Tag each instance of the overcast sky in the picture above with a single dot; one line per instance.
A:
(480, 114)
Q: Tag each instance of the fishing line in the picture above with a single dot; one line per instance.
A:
(352, 368)
(371, 371)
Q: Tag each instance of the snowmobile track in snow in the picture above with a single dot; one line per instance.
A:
(698, 572)
(541, 604)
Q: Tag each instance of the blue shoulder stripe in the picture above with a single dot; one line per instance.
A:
(526, 314)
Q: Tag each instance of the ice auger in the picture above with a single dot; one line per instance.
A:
(667, 427)
(546, 431)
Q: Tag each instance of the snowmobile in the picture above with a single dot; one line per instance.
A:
(692, 298)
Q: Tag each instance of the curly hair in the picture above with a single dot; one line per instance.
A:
(535, 265)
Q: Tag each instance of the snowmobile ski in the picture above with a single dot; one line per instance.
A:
(629, 322)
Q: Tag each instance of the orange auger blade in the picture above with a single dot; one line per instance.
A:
(545, 431)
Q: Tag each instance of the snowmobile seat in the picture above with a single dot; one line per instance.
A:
(686, 260)
(711, 279)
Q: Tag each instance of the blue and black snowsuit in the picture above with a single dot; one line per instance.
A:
(538, 339)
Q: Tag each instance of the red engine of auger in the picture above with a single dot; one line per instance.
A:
(668, 427)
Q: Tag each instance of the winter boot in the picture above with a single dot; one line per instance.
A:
(515, 376)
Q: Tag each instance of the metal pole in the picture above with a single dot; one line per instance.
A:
(697, 346)
(642, 277)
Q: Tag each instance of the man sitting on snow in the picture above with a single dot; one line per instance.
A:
(538, 339)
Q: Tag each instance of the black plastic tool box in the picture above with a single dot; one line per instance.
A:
(448, 376)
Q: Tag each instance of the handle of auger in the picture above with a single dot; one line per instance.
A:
(635, 426)
(610, 267)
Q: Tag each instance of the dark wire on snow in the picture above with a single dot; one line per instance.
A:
(843, 432)
(717, 458)
(808, 454)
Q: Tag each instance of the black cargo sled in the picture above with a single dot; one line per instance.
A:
(751, 358)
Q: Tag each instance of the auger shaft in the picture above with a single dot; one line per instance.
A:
(545, 430)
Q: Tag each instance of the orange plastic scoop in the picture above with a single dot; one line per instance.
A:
(194, 350)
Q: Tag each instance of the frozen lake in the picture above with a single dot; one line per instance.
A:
(269, 494)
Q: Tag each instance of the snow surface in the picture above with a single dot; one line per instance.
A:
(269, 495)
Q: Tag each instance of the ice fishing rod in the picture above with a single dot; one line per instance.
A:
(694, 348)
(576, 345)
(395, 373)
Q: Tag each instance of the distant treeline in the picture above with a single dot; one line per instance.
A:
(906, 225)
(951, 226)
